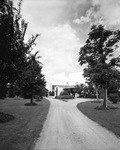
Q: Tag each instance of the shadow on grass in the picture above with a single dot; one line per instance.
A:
(101, 107)
(105, 108)
(99, 101)
(5, 117)
(30, 104)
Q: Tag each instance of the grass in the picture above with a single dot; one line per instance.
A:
(25, 128)
(109, 118)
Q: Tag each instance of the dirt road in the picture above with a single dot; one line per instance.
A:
(66, 128)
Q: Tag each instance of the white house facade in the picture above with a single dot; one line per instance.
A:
(57, 89)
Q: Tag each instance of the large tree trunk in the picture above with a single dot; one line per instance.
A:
(105, 98)
(96, 90)
(97, 95)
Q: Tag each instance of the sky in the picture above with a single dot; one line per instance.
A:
(63, 26)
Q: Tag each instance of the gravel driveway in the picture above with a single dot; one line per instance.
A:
(66, 128)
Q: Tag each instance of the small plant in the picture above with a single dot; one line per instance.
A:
(65, 97)
(64, 93)
(113, 97)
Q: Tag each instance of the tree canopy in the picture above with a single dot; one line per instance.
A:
(33, 82)
(12, 47)
(16, 58)
(98, 54)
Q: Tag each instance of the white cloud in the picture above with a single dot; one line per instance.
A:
(96, 2)
(59, 78)
(59, 48)
(106, 12)
(76, 77)
(110, 10)
(77, 21)
(58, 43)
(86, 18)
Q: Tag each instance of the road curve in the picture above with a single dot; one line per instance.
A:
(66, 128)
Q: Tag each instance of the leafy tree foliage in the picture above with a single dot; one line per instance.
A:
(97, 53)
(33, 82)
(86, 91)
(18, 66)
(12, 47)
(80, 89)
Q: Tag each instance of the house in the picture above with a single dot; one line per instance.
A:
(57, 89)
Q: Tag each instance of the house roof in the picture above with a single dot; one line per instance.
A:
(66, 86)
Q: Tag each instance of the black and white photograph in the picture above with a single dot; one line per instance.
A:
(59, 74)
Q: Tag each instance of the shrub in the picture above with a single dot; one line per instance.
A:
(65, 97)
(113, 97)
(64, 93)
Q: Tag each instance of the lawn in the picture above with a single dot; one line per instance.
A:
(110, 119)
(21, 132)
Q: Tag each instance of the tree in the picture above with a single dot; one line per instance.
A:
(97, 53)
(80, 89)
(114, 84)
(33, 82)
(90, 90)
(86, 91)
(14, 52)
(12, 47)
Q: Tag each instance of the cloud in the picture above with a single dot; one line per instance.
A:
(96, 2)
(44, 11)
(58, 44)
(75, 8)
(86, 18)
(60, 78)
(59, 48)
(63, 79)
(76, 77)
(106, 12)
(64, 25)
(110, 10)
